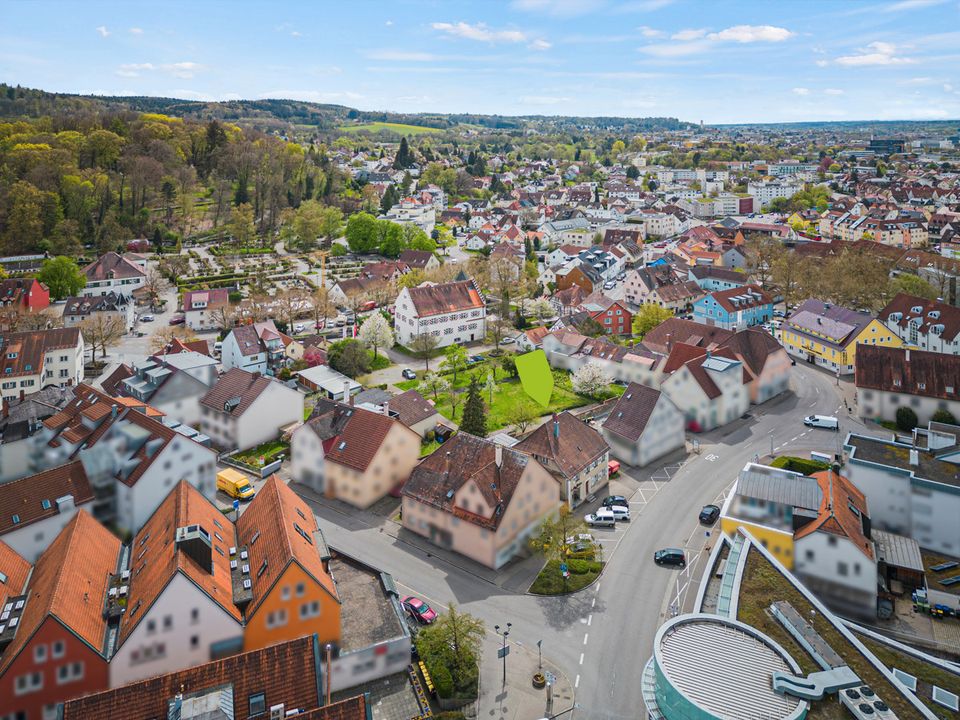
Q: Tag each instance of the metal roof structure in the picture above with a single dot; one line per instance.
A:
(724, 668)
(784, 487)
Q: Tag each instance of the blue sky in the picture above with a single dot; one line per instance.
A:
(717, 61)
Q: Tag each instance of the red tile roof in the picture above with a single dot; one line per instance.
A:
(235, 384)
(274, 516)
(155, 558)
(112, 265)
(841, 512)
(34, 497)
(69, 582)
(15, 569)
(287, 673)
(445, 298)
(630, 415)
(565, 442)
(353, 435)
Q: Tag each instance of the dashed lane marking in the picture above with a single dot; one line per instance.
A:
(581, 658)
(576, 683)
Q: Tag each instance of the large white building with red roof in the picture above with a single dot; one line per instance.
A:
(454, 313)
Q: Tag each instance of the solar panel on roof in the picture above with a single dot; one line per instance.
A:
(945, 566)
(951, 580)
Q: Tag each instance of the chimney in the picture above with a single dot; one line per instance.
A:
(65, 503)
(556, 426)
(113, 410)
(386, 408)
(347, 397)
(498, 458)
(906, 355)
(914, 457)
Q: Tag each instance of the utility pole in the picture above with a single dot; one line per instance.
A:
(503, 648)
(539, 655)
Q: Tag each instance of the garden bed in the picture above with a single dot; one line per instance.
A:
(269, 452)
(551, 582)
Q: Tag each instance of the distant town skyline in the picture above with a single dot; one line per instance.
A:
(719, 62)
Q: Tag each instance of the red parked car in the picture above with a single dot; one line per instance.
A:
(178, 320)
(419, 610)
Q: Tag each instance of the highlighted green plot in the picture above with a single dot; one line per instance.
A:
(536, 376)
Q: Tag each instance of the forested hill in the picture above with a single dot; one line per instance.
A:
(272, 113)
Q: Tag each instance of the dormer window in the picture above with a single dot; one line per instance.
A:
(934, 314)
(916, 309)
(922, 386)
(896, 382)
(11, 356)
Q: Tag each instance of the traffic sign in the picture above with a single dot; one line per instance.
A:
(550, 677)
(503, 652)
(236, 504)
(563, 567)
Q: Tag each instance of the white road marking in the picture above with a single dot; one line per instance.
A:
(593, 603)
(581, 658)
(711, 457)
(576, 683)
(586, 636)
(589, 619)
(597, 586)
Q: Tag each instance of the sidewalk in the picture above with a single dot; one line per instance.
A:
(518, 700)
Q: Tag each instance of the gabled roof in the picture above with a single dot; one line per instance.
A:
(411, 407)
(753, 346)
(236, 389)
(69, 583)
(630, 415)
(741, 298)
(155, 558)
(15, 571)
(86, 304)
(34, 497)
(210, 299)
(678, 330)
(932, 313)
(112, 265)
(269, 530)
(566, 440)
(351, 436)
(288, 673)
(466, 458)
(914, 372)
(28, 349)
(416, 258)
(831, 324)
(111, 383)
(445, 298)
(841, 512)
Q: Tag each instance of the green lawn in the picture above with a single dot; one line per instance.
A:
(551, 582)
(379, 362)
(268, 451)
(399, 128)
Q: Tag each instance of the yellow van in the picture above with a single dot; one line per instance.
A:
(235, 484)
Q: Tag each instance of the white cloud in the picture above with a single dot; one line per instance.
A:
(686, 35)
(801, 91)
(649, 32)
(543, 100)
(479, 32)
(559, 8)
(296, 33)
(643, 6)
(833, 91)
(183, 70)
(912, 5)
(540, 45)
(402, 56)
(753, 33)
(692, 41)
(102, 29)
(136, 31)
(822, 63)
(388, 23)
(874, 54)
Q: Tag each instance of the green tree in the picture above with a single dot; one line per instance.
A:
(313, 220)
(509, 365)
(62, 276)
(453, 641)
(474, 419)
(403, 159)
(906, 419)
(424, 344)
(362, 233)
(647, 317)
(454, 360)
(434, 384)
(349, 357)
(912, 285)
(391, 239)
(24, 218)
(241, 227)
(550, 538)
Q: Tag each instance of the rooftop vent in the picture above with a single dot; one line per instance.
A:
(195, 542)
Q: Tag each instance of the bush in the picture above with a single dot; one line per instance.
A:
(944, 416)
(800, 465)
(442, 680)
(906, 419)
(337, 250)
(429, 436)
(583, 567)
(234, 297)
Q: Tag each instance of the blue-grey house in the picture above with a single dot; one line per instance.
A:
(734, 309)
(712, 278)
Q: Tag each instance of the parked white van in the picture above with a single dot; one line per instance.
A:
(828, 422)
(620, 512)
(602, 518)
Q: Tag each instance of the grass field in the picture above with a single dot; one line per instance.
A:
(399, 128)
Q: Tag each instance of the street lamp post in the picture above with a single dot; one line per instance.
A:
(503, 647)
(539, 655)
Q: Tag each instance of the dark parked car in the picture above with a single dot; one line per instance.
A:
(177, 320)
(611, 500)
(409, 374)
(670, 556)
(709, 514)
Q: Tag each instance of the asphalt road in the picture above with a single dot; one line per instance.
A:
(603, 636)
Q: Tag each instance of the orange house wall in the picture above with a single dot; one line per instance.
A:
(326, 625)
